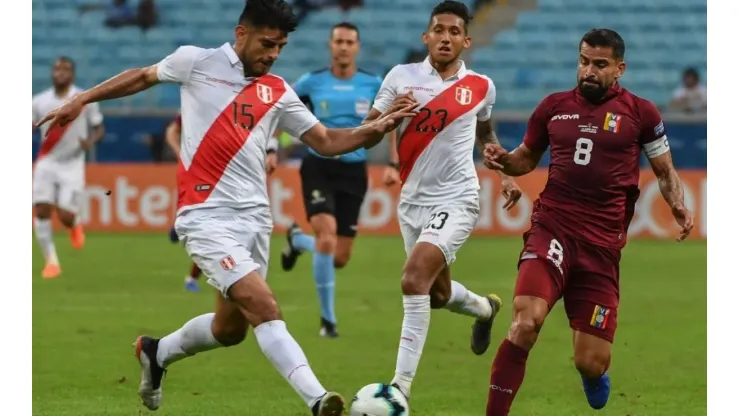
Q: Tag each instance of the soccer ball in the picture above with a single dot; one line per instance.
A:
(379, 400)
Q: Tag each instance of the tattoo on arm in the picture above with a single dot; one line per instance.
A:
(671, 187)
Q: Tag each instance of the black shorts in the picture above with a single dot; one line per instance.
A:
(336, 188)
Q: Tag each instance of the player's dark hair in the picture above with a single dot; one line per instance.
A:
(273, 14)
(456, 8)
(605, 38)
(345, 25)
(67, 60)
(691, 72)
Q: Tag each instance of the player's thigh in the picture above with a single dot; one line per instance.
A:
(592, 296)
(255, 299)
(411, 221)
(69, 198)
(542, 270)
(217, 248)
(258, 244)
(44, 187)
(448, 227)
(318, 193)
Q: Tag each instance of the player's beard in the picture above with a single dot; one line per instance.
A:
(592, 92)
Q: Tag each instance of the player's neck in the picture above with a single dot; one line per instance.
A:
(344, 72)
(446, 70)
(62, 92)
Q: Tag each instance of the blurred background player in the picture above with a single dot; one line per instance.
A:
(59, 172)
(334, 188)
(580, 221)
(172, 137)
(439, 203)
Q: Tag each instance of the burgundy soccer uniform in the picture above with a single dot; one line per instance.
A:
(580, 221)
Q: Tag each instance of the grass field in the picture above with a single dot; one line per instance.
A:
(123, 285)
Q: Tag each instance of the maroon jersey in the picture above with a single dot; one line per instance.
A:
(594, 170)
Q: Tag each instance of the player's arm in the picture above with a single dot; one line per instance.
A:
(655, 145)
(485, 135)
(172, 136)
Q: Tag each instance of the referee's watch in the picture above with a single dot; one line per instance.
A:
(394, 165)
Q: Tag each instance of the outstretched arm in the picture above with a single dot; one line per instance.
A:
(672, 190)
(126, 83)
(518, 162)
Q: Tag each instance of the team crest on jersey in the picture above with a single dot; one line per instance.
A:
(612, 122)
(227, 263)
(463, 95)
(264, 93)
(600, 317)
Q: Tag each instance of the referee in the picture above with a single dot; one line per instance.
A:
(340, 96)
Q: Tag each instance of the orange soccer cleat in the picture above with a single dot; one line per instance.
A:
(51, 271)
(77, 236)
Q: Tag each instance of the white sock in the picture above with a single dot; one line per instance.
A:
(288, 358)
(44, 235)
(468, 303)
(417, 312)
(194, 337)
(190, 279)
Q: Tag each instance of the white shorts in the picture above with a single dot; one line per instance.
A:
(225, 246)
(62, 188)
(447, 226)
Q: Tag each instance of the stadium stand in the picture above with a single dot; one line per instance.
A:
(535, 56)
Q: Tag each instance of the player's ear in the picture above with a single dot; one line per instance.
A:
(468, 42)
(621, 67)
(425, 38)
(240, 32)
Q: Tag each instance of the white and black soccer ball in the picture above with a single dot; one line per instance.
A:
(379, 399)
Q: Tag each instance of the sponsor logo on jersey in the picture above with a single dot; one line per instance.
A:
(316, 197)
(415, 88)
(565, 117)
(600, 317)
(588, 128)
(264, 93)
(463, 95)
(227, 263)
(612, 122)
(501, 389)
(362, 107)
(201, 188)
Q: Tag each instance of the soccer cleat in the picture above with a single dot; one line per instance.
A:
(480, 339)
(328, 329)
(332, 404)
(150, 386)
(173, 236)
(51, 271)
(397, 387)
(191, 285)
(77, 237)
(290, 254)
(597, 391)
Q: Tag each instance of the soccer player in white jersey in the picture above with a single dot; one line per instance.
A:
(231, 106)
(439, 199)
(59, 171)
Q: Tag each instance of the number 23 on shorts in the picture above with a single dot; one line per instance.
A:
(437, 221)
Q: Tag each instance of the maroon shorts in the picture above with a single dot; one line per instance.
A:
(585, 275)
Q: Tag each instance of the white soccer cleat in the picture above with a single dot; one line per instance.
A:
(150, 386)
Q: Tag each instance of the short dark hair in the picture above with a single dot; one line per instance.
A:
(66, 60)
(273, 14)
(345, 25)
(605, 38)
(691, 72)
(456, 8)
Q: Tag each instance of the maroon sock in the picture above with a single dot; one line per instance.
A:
(507, 374)
(195, 271)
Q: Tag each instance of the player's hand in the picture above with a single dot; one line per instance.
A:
(64, 114)
(685, 220)
(391, 176)
(404, 100)
(394, 116)
(270, 162)
(86, 144)
(493, 156)
(511, 191)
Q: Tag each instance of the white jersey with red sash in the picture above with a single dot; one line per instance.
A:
(436, 147)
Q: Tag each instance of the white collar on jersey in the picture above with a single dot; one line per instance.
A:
(459, 74)
(229, 51)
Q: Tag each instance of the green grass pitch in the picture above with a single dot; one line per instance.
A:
(121, 286)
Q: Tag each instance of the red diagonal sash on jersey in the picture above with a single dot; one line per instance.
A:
(223, 140)
(456, 100)
(53, 137)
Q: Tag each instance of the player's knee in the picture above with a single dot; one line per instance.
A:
(229, 333)
(341, 259)
(416, 279)
(439, 296)
(43, 211)
(529, 316)
(326, 242)
(592, 363)
(66, 218)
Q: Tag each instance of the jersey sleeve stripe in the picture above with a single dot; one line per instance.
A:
(224, 139)
(452, 103)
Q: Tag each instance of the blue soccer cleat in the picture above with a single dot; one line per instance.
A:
(192, 286)
(597, 391)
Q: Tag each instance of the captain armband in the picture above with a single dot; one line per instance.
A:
(657, 147)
